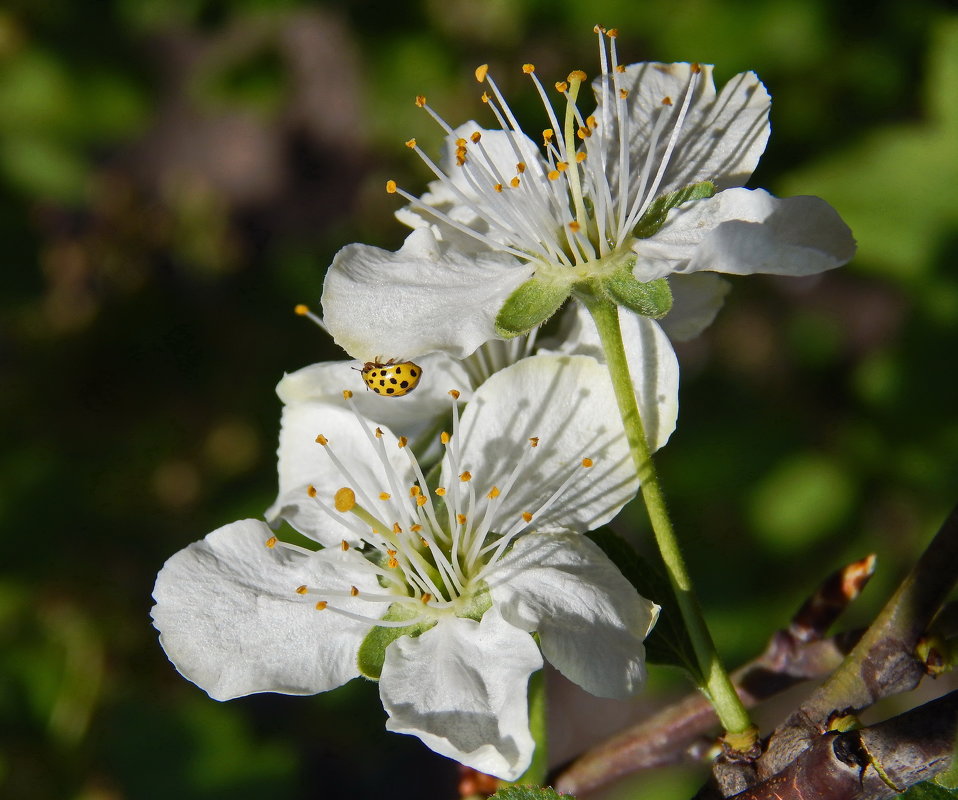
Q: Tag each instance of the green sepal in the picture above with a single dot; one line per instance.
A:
(372, 652)
(480, 601)
(668, 643)
(654, 216)
(530, 305)
(529, 793)
(652, 299)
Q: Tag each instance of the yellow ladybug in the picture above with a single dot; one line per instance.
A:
(392, 379)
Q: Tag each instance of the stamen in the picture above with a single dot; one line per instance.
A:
(303, 310)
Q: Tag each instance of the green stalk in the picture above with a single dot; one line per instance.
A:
(716, 683)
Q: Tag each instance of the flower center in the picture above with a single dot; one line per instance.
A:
(575, 202)
(429, 550)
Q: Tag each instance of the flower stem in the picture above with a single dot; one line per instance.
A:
(715, 681)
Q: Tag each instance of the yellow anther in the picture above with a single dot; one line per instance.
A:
(402, 442)
(411, 144)
(454, 394)
(562, 166)
(444, 437)
(620, 68)
(321, 605)
(591, 122)
(344, 545)
(344, 499)
(415, 528)
(514, 183)
(485, 97)
(441, 491)
(414, 490)
(696, 68)
(322, 440)
(384, 495)
(272, 542)
(481, 72)
(562, 86)
(612, 33)
(528, 69)
(424, 542)
(493, 493)
(390, 552)
(426, 598)
(302, 309)
(460, 160)
(587, 462)
(392, 563)
(526, 516)
(577, 75)
(554, 175)
(598, 29)
(666, 101)
(421, 100)
(623, 93)
(460, 142)
(580, 157)
(461, 519)
(353, 591)
(521, 167)
(379, 433)
(534, 441)
(497, 187)
(347, 394)
(476, 137)
(396, 528)
(583, 133)
(302, 589)
(421, 500)
(465, 477)
(391, 187)
(574, 226)
(548, 135)
(311, 490)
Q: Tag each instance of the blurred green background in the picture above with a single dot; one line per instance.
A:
(174, 178)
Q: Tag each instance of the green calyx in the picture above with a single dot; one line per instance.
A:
(530, 305)
(652, 299)
(372, 652)
(655, 214)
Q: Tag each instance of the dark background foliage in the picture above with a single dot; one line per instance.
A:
(175, 177)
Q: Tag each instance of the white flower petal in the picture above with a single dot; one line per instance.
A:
(461, 687)
(652, 364)
(568, 403)
(696, 300)
(742, 231)
(424, 297)
(591, 621)
(722, 137)
(304, 462)
(231, 621)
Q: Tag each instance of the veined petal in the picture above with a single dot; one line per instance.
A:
(461, 688)
(591, 621)
(722, 136)
(425, 297)
(231, 621)
(696, 300)
(303, 462)
(567, 403)
(652, 364)
(743, 231)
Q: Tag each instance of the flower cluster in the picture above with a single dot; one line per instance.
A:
(448, 566)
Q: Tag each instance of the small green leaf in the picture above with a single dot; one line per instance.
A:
(929, 790)
(530, 305)
(372, 652)
(654, 216)
(668, 643)
(529, 793)
(652, 299)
